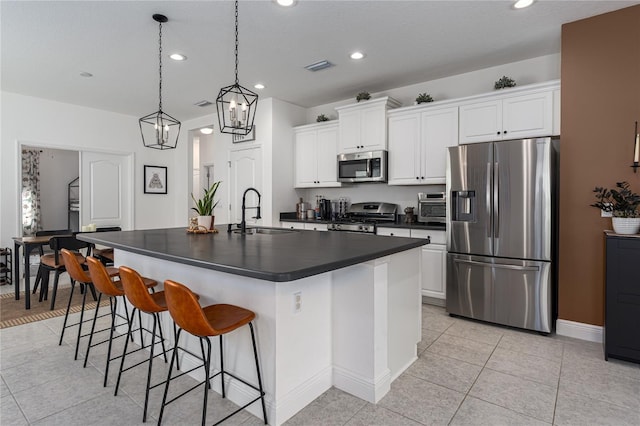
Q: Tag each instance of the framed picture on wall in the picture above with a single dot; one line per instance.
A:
(251, 136)
(155, 180)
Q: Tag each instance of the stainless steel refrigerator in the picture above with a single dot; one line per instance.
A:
(501, 235)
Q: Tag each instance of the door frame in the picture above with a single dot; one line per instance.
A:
(22, 143)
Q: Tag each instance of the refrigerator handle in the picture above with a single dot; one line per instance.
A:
(496, 201)
(488, 197)
(497, 265)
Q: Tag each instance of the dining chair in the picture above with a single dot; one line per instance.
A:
(53, 263)
(47, 233)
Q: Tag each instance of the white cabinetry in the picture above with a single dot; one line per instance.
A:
(418, 141)
(304, 225)
(434, 259)
(363, 126)
(316, 155)
(519, 114)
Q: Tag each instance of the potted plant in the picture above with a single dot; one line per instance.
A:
(504, 82)
(363, 96)
(322, 118)
(205, 205)
(622, 203)
(423, 98)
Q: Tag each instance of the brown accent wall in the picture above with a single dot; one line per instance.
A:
(600, 102)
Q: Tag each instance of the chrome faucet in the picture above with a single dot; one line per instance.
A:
(243, 223)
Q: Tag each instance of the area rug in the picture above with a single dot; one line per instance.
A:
(12, 311)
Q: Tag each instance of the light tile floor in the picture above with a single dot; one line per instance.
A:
(467, 373)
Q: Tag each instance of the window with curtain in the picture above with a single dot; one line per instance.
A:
(31, 221)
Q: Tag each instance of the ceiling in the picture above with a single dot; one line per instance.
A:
(45, 46)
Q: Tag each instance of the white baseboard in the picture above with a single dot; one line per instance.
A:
(579, 330)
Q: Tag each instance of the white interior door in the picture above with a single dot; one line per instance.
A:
(245, 172)
(106, 183)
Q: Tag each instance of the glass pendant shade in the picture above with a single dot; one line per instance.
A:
(236, 109)
(159, 130)
(236, 104)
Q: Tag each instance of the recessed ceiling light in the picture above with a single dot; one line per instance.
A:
(86, 74)
(178, 57)
(259, 86)
(206, 130)
(521, 4)
(286, 3)
(357, 55)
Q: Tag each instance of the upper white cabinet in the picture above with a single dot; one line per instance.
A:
(315, 155)
(363, 126)
(525, 113)
(418, 141)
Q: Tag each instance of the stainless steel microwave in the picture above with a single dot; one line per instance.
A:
(368, 166)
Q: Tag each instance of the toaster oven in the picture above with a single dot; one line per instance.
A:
(432, 208)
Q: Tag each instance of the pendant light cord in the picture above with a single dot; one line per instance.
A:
(160, 67)
(236, 42)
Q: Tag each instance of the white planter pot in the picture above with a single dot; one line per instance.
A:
(626, 225)
(206, 221)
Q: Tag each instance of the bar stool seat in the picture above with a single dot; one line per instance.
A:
(210, 321)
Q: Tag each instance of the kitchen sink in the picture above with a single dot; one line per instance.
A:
(270, 231)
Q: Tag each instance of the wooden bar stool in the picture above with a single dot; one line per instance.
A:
(213, 320)
(152, 304)
(102, 278)
(80, 276)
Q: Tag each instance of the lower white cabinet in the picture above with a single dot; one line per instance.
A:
(304, 225)
(434, 258)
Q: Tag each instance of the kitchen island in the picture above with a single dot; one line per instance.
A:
(332, 308)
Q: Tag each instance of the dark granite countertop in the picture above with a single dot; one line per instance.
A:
(279, 257)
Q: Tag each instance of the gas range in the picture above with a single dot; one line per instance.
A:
(363, 217)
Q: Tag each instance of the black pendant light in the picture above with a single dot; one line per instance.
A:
(159, 130)
(236, 104)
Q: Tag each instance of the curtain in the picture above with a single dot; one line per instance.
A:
(31, 221)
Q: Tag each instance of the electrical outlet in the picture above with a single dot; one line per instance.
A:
(297, 302)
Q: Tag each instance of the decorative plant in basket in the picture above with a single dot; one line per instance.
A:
(322, 118)
(622, 203)
(423, 98)
(504, 82)
(363, 96)
(205, 205)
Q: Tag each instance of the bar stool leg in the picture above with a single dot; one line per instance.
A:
(93, 327)
(84, 299)
(221, 368)
(174, 357)
(255, 355)
(207, 372)
(153, 344)
(204, 356)
(164, 350)
(66, 315)
(124, 352)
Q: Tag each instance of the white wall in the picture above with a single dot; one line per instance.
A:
(58, 167)
(44, 123)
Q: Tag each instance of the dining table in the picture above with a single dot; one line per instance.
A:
(28, 244)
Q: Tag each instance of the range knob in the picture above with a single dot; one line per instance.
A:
(359, 227)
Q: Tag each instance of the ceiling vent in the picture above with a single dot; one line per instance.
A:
(204, 103)
(319, 66)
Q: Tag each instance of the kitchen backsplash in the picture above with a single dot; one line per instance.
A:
(404, 196)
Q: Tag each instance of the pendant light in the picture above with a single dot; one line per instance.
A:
(159, 130)
(236, 104)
